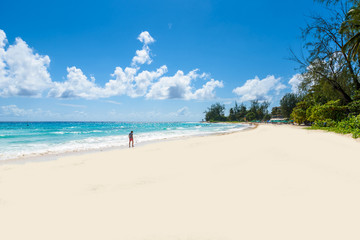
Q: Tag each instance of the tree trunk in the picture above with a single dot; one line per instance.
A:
(338, 88)
(353, 75)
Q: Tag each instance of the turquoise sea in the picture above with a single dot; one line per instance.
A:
(31, 139)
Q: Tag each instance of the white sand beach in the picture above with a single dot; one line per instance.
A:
(273, 182)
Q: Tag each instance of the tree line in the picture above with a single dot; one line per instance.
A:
(330, 86)
(329, 93)
(258, 111)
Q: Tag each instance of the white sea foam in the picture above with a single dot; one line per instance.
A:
(104, 142)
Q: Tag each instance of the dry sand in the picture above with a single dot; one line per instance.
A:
(273, 182)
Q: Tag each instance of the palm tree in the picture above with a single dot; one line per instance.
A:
(351, 27)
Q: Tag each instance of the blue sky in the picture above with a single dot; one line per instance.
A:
(144, 60)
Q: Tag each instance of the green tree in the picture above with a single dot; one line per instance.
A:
(351, 27)
(332, 2)
(215, 113)
(354, 106)
(299, 112)
(328, 65)
(231, 115)
(259, 109)
(288, 103)
(331, 72)
(267, 117)
(250, 116)
(240, 111)
(276, 112)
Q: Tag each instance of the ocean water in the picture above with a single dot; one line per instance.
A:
(31, 139)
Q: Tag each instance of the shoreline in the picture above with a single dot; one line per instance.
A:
(55, 156)
(251, 126)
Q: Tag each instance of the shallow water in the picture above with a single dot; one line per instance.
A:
(26, 139)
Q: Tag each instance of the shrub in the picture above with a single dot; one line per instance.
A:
(347, 125)
(326, 123)
(330, 110)
(354, 107)
(299, 112)
(350, 124)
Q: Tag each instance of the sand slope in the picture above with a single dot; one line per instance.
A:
(274, 182)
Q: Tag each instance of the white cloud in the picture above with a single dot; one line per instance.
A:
(145, 79)
(256, 89)
(15, 111)
(207, 91)
(153, 115)
(133, 84)
(182, 111)
(22, 72)
(3, 72)
(129, 83)
(179, 87)
(25, 73)
(145, 38)
(72, 105)
(12, 110)
(76, 85)
(123, 82)
(3, 39)
(113, 102)
(295, 82)
(80, 114)
(143, 56)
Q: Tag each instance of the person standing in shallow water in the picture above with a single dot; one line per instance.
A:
(131, 138)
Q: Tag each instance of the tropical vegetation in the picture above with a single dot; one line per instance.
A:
(256, 112)
(330, 86)
(329, 93)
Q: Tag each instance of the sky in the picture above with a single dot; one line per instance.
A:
(145, 60)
